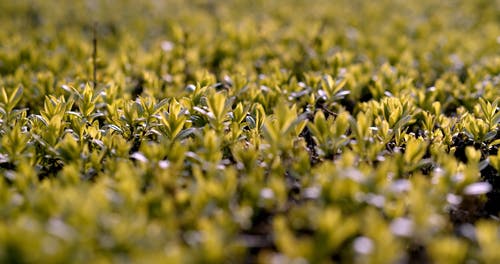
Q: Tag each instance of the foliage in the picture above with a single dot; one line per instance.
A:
(246, 131)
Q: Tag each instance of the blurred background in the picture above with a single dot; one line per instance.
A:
(175, 42)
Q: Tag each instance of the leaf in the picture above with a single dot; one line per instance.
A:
(5, 97)
(495, 142)
(251, 122)
(496, 118)
(160, 105)
(16, 96)
(41, 119)
(478, 188)
(139, 157)
(271, 132)
(319, 125)
(403, 121)
(114, 127)
(472, 154)
(341, 94)
(494, 160)
(217, 105)
(185, 133)
(415, 150)
(74, 113)
(298, 124)
(490, 135)
(342, 124)
(328, 82)
(483, 164)
(96, 115)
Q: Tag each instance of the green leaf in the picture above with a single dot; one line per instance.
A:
(16, 96)
(415, 150)
(490, 135)
(185, 133)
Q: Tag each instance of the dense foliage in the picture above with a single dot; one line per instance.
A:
(250, 131)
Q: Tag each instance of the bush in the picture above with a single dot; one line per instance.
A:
(267, 131)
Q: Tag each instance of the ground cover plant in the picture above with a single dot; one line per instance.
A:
(249, 132)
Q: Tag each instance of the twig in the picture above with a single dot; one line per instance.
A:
(94, 54)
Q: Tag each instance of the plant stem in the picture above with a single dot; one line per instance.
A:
(94, 54)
